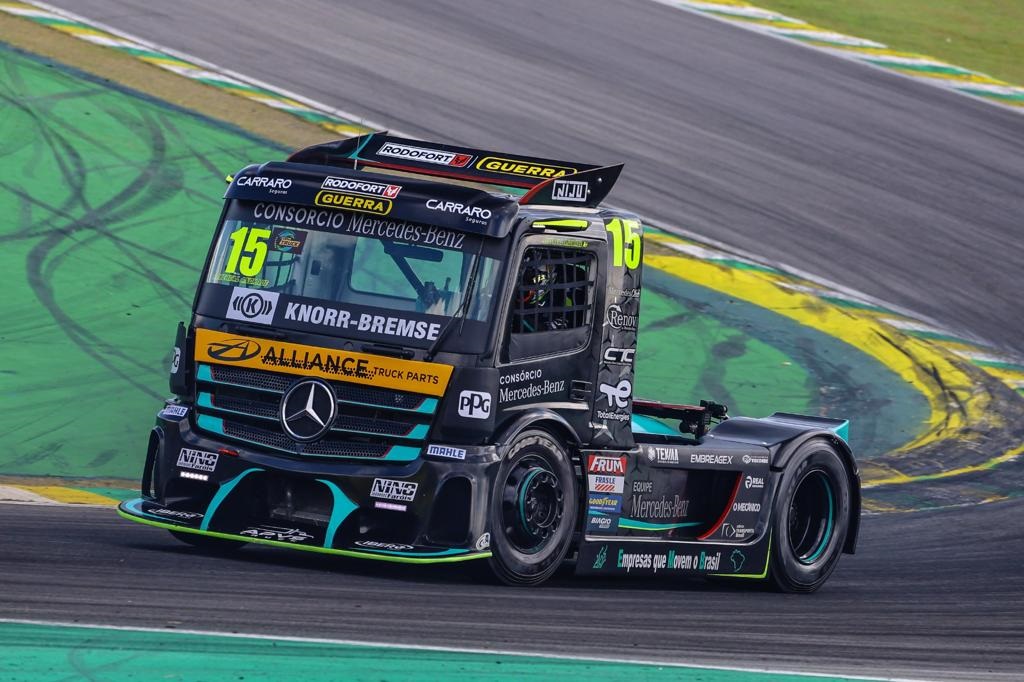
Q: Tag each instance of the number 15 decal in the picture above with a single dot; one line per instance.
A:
(625, 242)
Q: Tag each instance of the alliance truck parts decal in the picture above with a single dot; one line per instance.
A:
(430, 378)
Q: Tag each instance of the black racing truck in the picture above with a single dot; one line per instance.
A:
(423, 353)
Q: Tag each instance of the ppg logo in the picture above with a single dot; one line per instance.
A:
(474, 405)
(252, 305)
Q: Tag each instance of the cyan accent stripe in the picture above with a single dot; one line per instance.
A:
(339, 512)
(418, 432)
(644, 525)
(446, 552)
(649, 425)
(843, 431)
(428, 406)
(397, 453)
(135, 507)
(828, 528)
(222, 492)
(522, 495)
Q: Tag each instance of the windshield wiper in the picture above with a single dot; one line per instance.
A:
(463, 310)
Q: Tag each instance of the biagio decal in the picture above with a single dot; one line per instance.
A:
(570, 190)
(389, 489)
(424, 155)
(386, 546)
(619, 356)
(618, 394)
(475, 404)
(617, 319)
(371, 189)
(200, 460)
(597, 523)
(600, 483)
(603, 464)
(278, 534)
(252, 305)
(446, 452)
(753, 482)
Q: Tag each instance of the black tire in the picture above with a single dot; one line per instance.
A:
(208, 544)
(532, 510)
(811, 518)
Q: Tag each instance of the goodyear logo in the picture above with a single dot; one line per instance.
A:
(496, 164)
(353, 202)
(415, 376)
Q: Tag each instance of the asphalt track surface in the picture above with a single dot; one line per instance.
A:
(895, 609)
(891, 187)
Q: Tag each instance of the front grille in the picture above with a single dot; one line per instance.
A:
(372, 423)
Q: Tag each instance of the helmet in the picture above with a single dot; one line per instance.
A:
(534, 289)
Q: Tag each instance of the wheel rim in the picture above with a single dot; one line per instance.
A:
(531, 505)
(811, 516)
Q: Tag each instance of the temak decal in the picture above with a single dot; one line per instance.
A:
(496, 164)
(353, 202)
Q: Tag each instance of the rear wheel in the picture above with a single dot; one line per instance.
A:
(811, 518)
(532, 510)
(207, 543)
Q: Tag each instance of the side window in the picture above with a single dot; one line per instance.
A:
(554, 291)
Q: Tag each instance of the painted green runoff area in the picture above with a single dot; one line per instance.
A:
(114, 196)
(43, 653)
(985, 35)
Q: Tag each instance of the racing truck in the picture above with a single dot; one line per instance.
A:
(424, 353)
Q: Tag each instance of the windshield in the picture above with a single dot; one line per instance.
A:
(346, 274)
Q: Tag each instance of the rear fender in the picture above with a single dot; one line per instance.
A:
(783, 434)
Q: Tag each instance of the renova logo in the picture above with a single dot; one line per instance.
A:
(233, 350)
(620, 320)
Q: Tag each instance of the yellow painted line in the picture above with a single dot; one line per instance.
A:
(80, 30)
(760, 21)
(974, 468)
(68, 495)
(908, 359)
(885, 52)
(958, 77)
(161, 61)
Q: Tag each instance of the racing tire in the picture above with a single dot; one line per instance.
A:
(811, 518)
(532, 512)
(208, 544)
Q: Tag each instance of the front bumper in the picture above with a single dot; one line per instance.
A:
(422, 511)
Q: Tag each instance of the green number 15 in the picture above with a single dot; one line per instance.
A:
(625, 242)
(252, 242)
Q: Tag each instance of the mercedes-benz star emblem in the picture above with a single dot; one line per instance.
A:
(308, 410)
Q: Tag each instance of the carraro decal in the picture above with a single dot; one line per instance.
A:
(430, 378)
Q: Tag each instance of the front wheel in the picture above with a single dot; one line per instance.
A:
(532, 510)
(811, 518)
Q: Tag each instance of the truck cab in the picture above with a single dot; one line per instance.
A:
(416, 352)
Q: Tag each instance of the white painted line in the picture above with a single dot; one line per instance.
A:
(459, 650)
(19, 496)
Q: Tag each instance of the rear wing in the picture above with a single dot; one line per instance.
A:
(549, 181)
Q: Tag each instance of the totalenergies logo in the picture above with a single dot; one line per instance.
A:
(496, 164)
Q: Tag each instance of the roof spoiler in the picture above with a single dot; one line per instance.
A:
(549, 181)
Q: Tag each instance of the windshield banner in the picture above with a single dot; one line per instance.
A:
(429, 378)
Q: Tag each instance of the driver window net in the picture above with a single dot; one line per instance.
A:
(554, 291)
